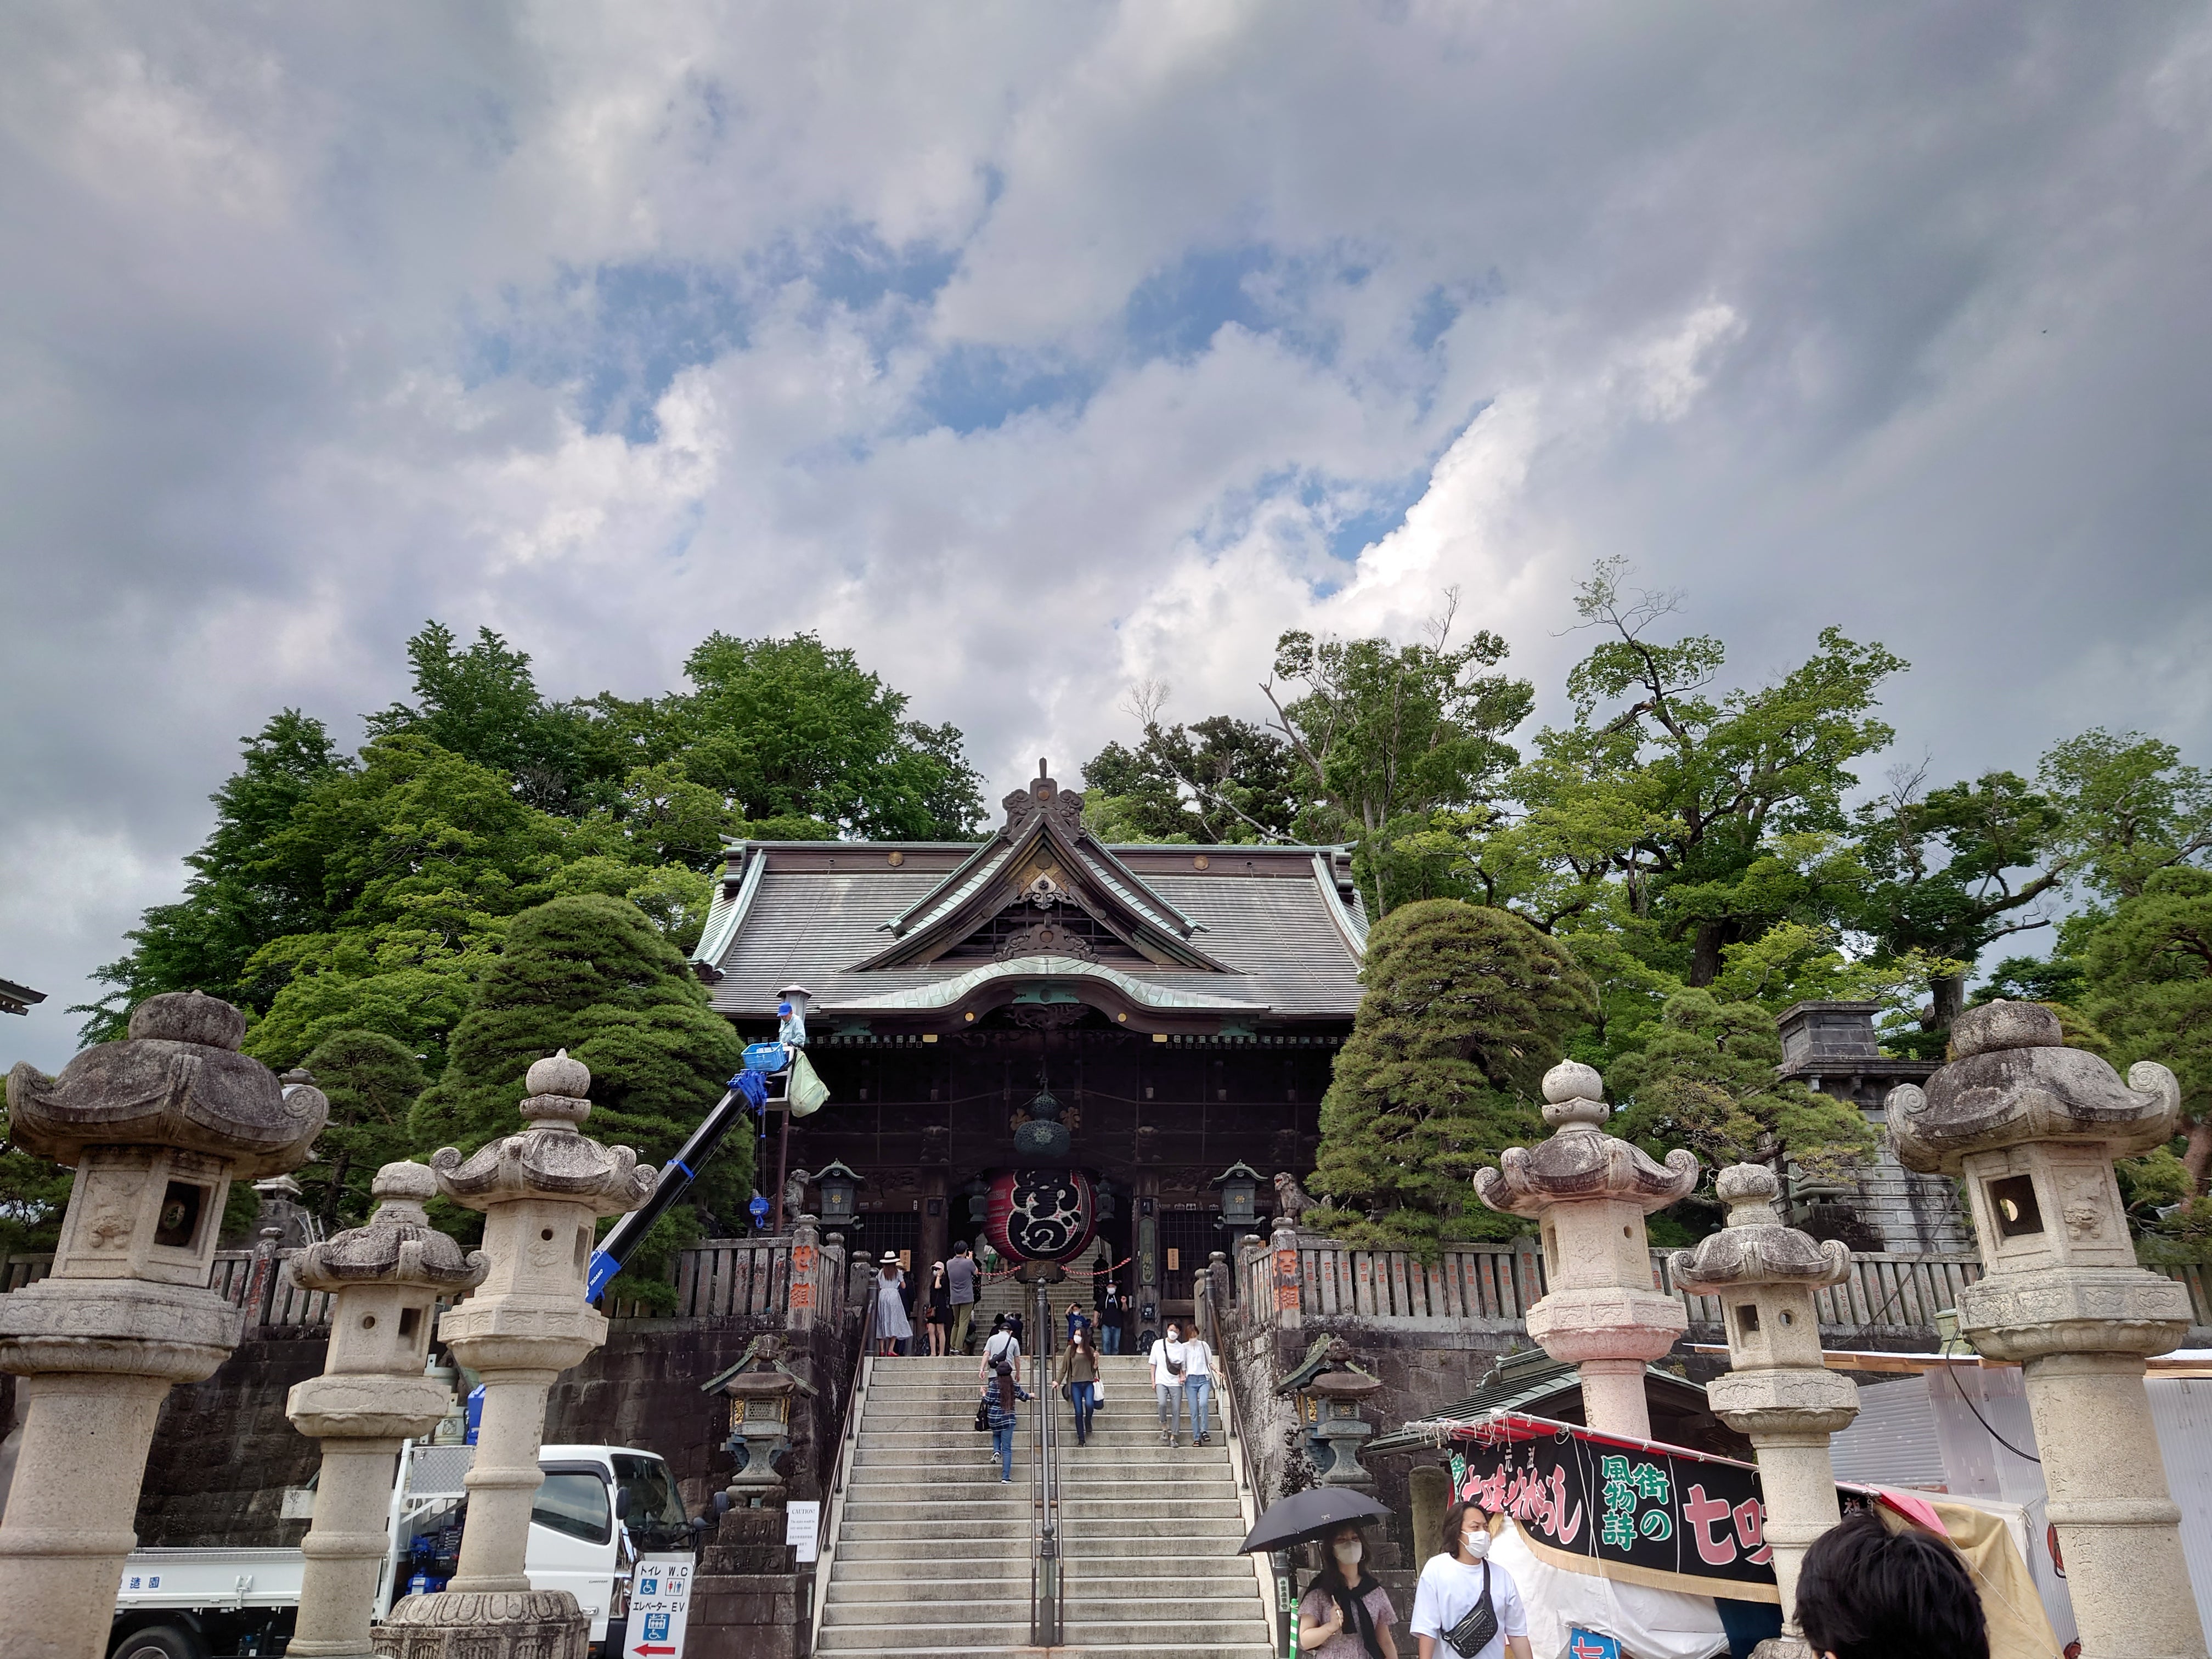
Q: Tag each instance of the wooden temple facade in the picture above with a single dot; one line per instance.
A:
(1182, 1004)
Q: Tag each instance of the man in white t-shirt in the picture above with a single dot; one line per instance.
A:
(1452, 1585)
(1170, 1369)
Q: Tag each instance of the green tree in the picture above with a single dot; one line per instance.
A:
(591, 974)
(238, 897)
(33, 1195)
(2128, 809)
(1466, 1008)
(1220, 780)
(792, 728)
(1388, 736)
(2148, 974)
(371, 1082)
(1705, 1080)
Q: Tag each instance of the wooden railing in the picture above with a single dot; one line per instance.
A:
(1487, 1287)
(718, 1279)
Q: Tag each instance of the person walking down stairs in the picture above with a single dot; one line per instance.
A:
(1076, 1373)
(998, 1396)
(1170, 1363)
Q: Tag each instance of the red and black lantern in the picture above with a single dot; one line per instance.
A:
(1041, 1215)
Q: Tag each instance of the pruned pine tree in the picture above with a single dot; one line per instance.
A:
(1467, 1007)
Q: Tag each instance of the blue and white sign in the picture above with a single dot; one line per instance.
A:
(1589, 1644)
(660, 1603)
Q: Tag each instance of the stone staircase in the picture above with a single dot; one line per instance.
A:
(933, 1553)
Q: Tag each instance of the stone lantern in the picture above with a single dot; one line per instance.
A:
(385, 1278)
(761, 1388)
(1588, 1192)
(2031, 1128)
(541, 1192)
(1329, 1388)
(1777, 1389)
(157, 1127)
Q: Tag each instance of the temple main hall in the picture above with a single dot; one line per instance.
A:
(1174, 1009)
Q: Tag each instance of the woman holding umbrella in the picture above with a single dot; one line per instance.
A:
(1345, 1613)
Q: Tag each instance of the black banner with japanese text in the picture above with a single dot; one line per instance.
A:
(1637, 1513)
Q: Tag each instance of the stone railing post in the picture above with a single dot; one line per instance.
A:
(809, 1281)
(1777, 1389)
(1588, 1193)
(2031, 1128)
(1284, 1278)
(157, 1127)
(541, 1192)
(384, 1280)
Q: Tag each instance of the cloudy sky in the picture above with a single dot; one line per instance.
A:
(1033, 349)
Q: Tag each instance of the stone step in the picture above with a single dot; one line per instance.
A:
(1080, 1645)
(1076, 1611)
(955, 1576)
(926, 1550)
(1171, 1533)
(954, 1511)
(1166, 1635)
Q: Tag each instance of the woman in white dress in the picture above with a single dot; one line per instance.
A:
(891, 1325)
(1457, 1582)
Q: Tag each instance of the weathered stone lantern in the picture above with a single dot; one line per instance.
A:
(761, 1388)
(541, 1192)
(2031, 1128)
(385, 1278)
(1777, 1390)
(157, 1127)
(1329, 1388)
(1588, 1192)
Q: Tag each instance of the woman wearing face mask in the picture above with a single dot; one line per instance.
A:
(1460, 1581)
(1169, 1368)
(1077, 1371)
(1345, 1613)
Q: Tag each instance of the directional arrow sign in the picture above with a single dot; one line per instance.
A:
(660, 1603)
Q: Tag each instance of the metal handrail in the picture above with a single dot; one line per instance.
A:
(1045, 1538)
(848, 1437)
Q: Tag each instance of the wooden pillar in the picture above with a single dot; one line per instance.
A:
(935, 1237)
(1147, 1200)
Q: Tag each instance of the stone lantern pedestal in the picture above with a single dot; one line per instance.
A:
(384, 1280)
(157, 1127)
(1777, 1390)
(541, 1192)
(2031, 1128)
(1588, 1192)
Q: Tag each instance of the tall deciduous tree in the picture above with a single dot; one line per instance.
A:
(2148, 972)
(591, 975)
(1219, 781)
(1466, 1008)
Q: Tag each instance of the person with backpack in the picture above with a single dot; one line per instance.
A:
(1345, 1613)
(998, 1396)
(1002, 1345)
(1170, 1364)
(1465, 1606)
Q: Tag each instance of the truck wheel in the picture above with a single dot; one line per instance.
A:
(159, 1642)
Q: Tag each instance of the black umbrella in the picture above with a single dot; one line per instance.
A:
(1307, 1515)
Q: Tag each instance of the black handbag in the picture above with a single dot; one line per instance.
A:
(983, 1417)
(1479, 1628)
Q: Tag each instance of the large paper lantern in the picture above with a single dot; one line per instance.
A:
(1041, 1215)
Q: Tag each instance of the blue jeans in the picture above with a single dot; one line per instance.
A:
(1109, 1339)
(1200, 1390)
(1170, 1400)
(1003, 1437)
(1084, 1397)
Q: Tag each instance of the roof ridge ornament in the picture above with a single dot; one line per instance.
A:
(1044, 798)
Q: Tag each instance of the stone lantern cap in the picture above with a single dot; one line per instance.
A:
(176, 1080)
(1754, 1247)
(1579, 1160)
(397, 1246)
(2012, 1081)
(549, 1159)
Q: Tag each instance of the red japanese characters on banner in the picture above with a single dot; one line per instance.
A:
(1041, 1215)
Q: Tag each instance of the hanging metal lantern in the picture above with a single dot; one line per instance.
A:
(840, 1195)
(1239, 1188)
(1041, 1136)
(1043, 1215)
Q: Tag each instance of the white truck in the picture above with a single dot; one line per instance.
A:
(599, 1508)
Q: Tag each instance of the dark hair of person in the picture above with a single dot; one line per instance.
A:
(1453, 1517)
(960, 1248)
(1865, 1592)
(1006, 1384)
(998, 1324)
(1331, 1577)
(1349, 1594)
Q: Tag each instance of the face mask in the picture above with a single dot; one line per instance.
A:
(1477, 1545)
(1348, 1552)
(1173, 1334)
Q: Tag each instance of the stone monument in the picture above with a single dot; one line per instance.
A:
(2031, 1128)
(1588, 1192)
(1777, 1390)
(157, 1127)
(541, 1192)
(385, 1278)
